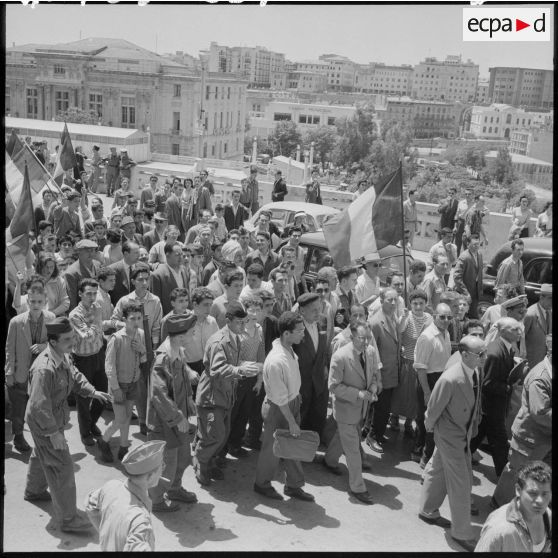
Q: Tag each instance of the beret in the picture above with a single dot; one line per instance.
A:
(181, 323)
(307, 298)
(59, 325)
(86, 243)
(144, 458)
(127, 221)
(235, 310)
(372, 257)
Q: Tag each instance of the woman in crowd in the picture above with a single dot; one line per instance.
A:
(521, 216)
(112, 252)
(189, 207)
(544, 221)
(58, 301)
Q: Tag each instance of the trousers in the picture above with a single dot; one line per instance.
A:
(175, 462)
(143, 391)
(494, 428)
(18, 400)
(425, 440)
(255, 421)
(89, 410)
(241, 411)
(313, 408)
(54, 469)
(214, 426)
(268, 463)
(381, 412)
(111, 178)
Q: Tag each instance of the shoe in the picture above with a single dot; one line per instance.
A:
(204, 480)
(438, 521)
(268, 492)
(182, 495)
(95, 431)
(165, 506)
(106, 453)
(382, 440)
(363, 497)
(253, 444)
(88, 440)
(394, 424)
(374, 445)
(238, 452)
(298, 493)
(20, 443)
(40, 497)
(122, 451)
(333, 470)
(221, 462)
(143, 429)
(476, 458)
(71, 400)
(474, 509)
(77, 524)
(468, 544)
(217, 474)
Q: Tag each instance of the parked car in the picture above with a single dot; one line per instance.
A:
(317, 251)
(537, 269)
(282, 214)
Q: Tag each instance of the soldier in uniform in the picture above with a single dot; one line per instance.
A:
(121, 510)
(53, 377)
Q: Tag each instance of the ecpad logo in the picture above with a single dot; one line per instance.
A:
(506, 24)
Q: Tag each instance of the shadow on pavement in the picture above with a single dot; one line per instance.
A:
(71, 541)
(10, 453)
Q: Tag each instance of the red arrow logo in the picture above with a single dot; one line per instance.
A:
(519, 25)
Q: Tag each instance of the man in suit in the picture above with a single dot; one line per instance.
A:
(496, 392)
(353, 385)
(386, 333)
(279, 188)
(532, 428)
(169, 276)
(313, 191)
(312, 360)
(123, 269)
(448, 209)
(451, 415)
(538, 324)
(468, 274)
(173, 207)
(129, 234)
(84, 267)
(236, 213)
(263, 255)
(27, 337)
(158, 233)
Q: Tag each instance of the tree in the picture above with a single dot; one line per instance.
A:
(77, 116)
(263, 146)
(325, 140)
(503, 171)
(284, 138)
(356, 136)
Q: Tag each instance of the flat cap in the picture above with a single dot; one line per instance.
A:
(235, 310)
(307, 298)
(85, 243)
(160, 216)
(515, 301)
(144, 458)
(546, 289)
(59, 325)
(127, 221)
(181, 323)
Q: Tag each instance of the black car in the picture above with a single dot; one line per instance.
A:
(537, 269)
(317, 251)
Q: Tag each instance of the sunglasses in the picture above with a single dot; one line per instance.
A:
(445, 317)
(377, 265)
(322, 290)
(481, 354)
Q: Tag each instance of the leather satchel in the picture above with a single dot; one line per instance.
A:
(302, 448)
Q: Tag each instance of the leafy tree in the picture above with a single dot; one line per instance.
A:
(356, 136)
(284, 138)
(77, 116)
(263, 145)
(325, 140)
(503, 171)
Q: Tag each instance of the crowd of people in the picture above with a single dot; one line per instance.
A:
(170, 311)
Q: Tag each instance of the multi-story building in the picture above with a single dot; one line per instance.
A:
(450, 80)
(499, 120)
(383, 79)
(521, 87)
(427, 119)
(130, 87)
(254, 64)
(532, 143)
(341, 72)
(481, 97)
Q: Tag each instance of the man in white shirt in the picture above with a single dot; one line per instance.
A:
(367, 288)
(254, 282)
(445, 248)
(281, 409)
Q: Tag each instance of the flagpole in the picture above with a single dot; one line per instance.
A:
(11, 257)
(403, 243)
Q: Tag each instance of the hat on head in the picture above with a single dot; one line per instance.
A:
(96, 147)
(181, 323)
(153, 176)
(307, 298)
(149, 204)
(546, 289)
(371, 258)
(515, 301)
(86, 243)
(300, 214)
(144, 458)
(59, 325)
(127, 221)
(160, 216)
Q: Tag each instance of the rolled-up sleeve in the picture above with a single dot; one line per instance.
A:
(275, 382)
(423, 350)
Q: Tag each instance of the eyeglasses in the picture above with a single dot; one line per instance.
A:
(322, 290)
(442, 317)
(377, 265)
(481, 354)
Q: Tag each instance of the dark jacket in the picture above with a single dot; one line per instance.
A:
(162, 282)
(312, 363)
(122, 286)
(495, 387)
(74, 274)
(279, 190)
(233, 221)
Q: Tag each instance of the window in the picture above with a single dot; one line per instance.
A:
(484, 129)
(225, 147)
(7, 98)
(128, 112)
(32, 103)
(205, 150)
(496, 130)
(331, 120)
(228, 92)
(96, 104)
(62, 101)
(175, 149)
(280, 116)
(59, 70)
(177, 90)
(490, 130)
(207, 92)
(176, 121)
(539, 271)
(221, 119)
(213, 150)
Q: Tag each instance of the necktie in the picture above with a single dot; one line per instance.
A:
(475, 384)
(362, 361)
(548, 322)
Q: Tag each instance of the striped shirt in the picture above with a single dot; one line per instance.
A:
(414, 328)
(252, 347)
(152, 308)
(122, 362)
(88, 325)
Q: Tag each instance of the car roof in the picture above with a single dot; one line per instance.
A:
(312, 209)
(534, 247)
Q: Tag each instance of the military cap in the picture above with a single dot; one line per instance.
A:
(85, 243)
(307, 298)
(160, 216)
(515, 301)
(235, 310)
(59, 325)
(127, 221)
(144, 458)
(181, 323)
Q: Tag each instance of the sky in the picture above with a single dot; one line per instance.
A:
(393, 34)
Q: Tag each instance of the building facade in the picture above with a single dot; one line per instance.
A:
(481, 97)
(383, 79)
(532, 143)
(499, 121)
(521, 87)
(448, 80)
(341, 72)
(129, 87)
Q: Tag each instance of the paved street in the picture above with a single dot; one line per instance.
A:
(230, 516)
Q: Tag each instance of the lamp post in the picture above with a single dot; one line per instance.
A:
(311, 154)
(255, 150)
(306, 157)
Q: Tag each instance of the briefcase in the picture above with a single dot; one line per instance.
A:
(302, 448)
